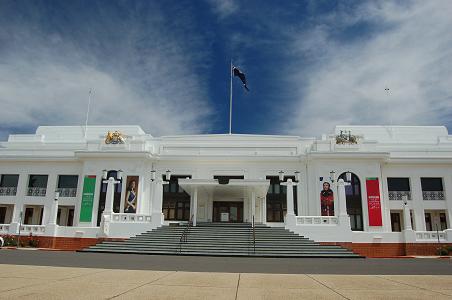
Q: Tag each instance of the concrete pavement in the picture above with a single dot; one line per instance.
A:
(44, 282)
(427, 266)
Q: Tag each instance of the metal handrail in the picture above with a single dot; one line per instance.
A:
(254, 236)
(184, 235)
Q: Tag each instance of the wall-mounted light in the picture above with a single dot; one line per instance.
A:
(152, 175)
(104, 174)
(348, 176)
(332, 176)
(281, 175)
(405, 199)
(168, 175)
(57, 195)
(119, 174)
(297, 176)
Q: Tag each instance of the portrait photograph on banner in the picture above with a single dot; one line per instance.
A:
(131, 195)
(326, 197)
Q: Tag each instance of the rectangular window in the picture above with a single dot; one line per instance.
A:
(9, 180)
(432, 188)
(8, 185)
(37, 185)
(67, 181)
(2, 215)
(67, 185)
(39, 181)
(398, 188)
(398, 184)
(432, 184)
(428, 222)
(396, 226)
(443, 221)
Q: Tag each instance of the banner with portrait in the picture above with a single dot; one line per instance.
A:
(326, 197)
(131, 195)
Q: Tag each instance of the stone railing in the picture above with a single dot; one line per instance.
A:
(430, 236)
(4, 228)
(33, 229)
(130, 218)
(397, 195)
(36, 191)
(8, 191)
(317, 220)
(433, 195)
(67, 192)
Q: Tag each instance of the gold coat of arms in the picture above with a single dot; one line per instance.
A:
(115, 137)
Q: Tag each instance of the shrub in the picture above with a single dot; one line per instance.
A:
(10, 240)
(442, 251)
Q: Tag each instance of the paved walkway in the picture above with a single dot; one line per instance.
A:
(43, 282)
(410, 266)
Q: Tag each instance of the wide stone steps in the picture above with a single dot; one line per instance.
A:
(219, 239)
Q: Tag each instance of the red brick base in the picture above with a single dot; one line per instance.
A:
(364, 249)
(392, 249)
(65, 243)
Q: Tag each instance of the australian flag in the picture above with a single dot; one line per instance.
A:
(240, 75)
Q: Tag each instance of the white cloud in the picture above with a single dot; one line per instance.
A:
(224, 8)
(144, 78)
(410, 52)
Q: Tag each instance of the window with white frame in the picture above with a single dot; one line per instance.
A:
(399, 187)
(432, 188)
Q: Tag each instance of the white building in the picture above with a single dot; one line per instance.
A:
(230, 178)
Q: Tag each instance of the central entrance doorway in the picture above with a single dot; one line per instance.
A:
(228, 211)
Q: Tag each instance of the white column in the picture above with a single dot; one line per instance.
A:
(448, 192)
(342, 199)
(406, 218)
(54, 210)
(289, 184)
(417, 203)
(253, 206)
(109, 199)
(195, 205)
(264, 210)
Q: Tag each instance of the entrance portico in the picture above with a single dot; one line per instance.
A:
(233, 201)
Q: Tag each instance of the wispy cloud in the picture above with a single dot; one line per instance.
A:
(347, 58)
(224, 8)
(141, 71)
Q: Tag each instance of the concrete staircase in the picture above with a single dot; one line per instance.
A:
(220, 239)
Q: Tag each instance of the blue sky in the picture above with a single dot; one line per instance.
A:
(164, 65)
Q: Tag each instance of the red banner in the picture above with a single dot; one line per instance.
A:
(373, 202)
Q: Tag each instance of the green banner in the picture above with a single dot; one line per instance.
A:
(86, 209)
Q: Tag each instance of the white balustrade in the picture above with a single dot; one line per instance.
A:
(67, 192)
(130, 218)
(398, 195)
(33, 229)
(433, 195)
(4, 228)
(317, 220)
(36, 191)
(8, 191)
(430, 235)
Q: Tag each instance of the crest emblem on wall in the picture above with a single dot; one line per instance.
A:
(346, 137)
(115, 137)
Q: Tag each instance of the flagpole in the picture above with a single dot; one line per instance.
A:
(230, 103)
(87, 112)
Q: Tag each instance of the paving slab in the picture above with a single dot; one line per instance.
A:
(359, 282)
(279, 294)
(157, 292)
(413, 294)
(200, 279)
(278, 281)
